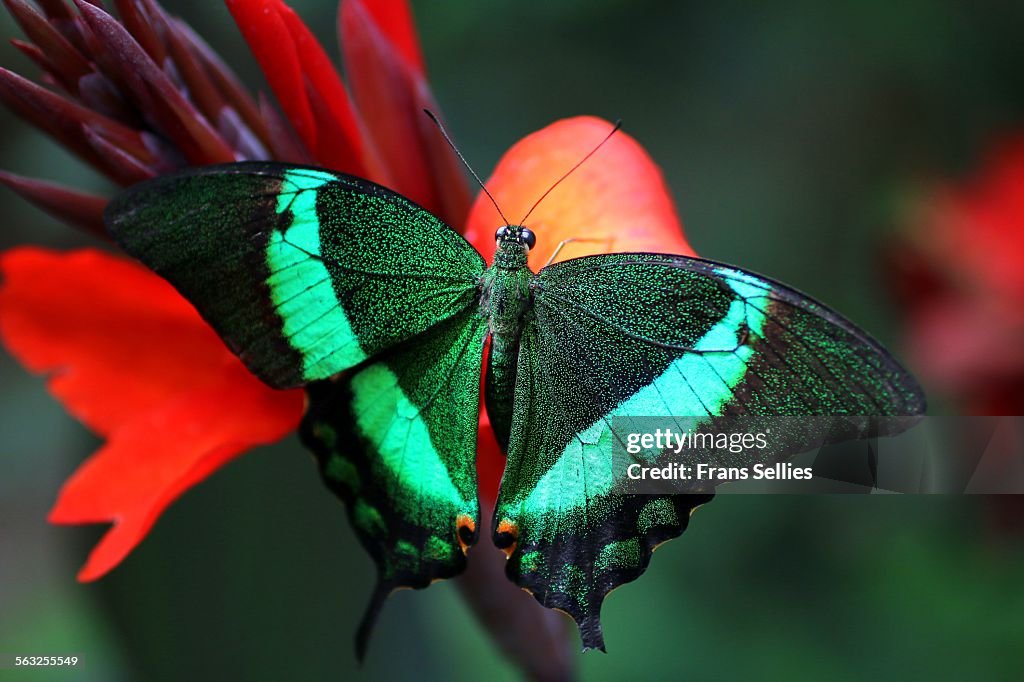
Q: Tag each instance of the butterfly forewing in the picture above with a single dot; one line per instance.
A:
(303, 272)
(626, 335)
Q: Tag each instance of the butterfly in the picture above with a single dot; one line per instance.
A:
(331, 282)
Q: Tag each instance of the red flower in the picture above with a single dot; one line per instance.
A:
(960, 275)
(138, 97)
(617, 201)
(131, 358)
(133, 361)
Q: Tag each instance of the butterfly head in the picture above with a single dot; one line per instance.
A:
(508, 235)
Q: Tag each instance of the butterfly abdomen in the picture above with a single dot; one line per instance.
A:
(500, 385)
(505, 300)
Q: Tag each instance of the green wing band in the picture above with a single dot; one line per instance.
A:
(396, 441)
(301, 289)
(303, 272)
(655, 335)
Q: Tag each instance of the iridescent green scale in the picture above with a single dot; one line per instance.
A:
(381, 311)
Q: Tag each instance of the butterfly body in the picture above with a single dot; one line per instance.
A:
(382, 312)
(505, 299)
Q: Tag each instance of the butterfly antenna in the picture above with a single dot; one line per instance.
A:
(615, 128)
(465, 163)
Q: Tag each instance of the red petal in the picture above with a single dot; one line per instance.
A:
(135, 362)
(394, 19)
(392, 92)
(960, 273)
(619, 191)
(980, 226)
(151, 460)
(618, 196)
(115, 334)
(304, 82)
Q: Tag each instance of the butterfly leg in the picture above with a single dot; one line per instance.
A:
(565, 242)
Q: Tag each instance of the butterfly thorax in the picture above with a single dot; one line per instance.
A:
(505, 300)
(505, 289)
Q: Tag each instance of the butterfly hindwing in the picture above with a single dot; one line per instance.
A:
(396, 440)
(655, 335)
(302, 271)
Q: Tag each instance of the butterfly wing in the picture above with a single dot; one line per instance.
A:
(303, 272)
(655, 335)
(395, 440)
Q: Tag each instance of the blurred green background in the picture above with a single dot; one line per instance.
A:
(791, 137)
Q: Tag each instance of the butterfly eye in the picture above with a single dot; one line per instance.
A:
(500, 233)
(529, 238)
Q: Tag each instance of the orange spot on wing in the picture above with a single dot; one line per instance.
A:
(465, 529)
(506, 527)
